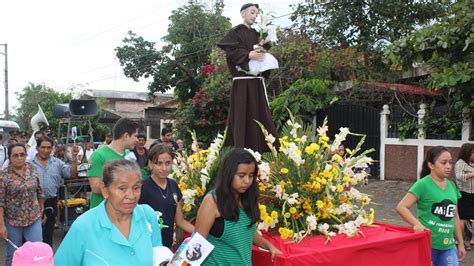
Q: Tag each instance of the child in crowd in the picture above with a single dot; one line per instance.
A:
(162, 193)
(436, 200)
(228, 215)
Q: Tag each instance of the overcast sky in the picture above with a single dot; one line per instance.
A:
(71, 43)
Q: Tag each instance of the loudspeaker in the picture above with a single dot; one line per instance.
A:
(83, 107)
(61, 110)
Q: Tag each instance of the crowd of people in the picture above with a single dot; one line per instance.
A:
(130, 183)
(123, 201)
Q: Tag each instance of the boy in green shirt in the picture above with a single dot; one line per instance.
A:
(124, 133)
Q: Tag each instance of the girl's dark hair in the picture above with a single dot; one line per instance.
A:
(157, 149)
(113, 167)
(225, 199)
(13, 145)
(431, 156)
(465, 152)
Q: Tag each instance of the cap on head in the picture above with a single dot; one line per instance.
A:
(247, 6)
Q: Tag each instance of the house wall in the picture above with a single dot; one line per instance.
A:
(131, 106)
(153, 119)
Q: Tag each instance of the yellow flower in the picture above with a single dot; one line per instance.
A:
(187, 208)
(282, 184)
(202, 152)
(200, 191)
(298, 140)
(346, 179)
(193, 157)
(298, 151)
(339, 188)
(319, 204)
(262, 208)
(316, 186)
(284, 144)
(274, 214)
(285, 233)
(337, 158)
(365, 200)
(309, 150)
(197, 164)
(283, 171)
(371, 215)
(261, 186)
(268, 220)
(292, 210)
(182, 186)
(314, 146)
(348, 151)
(287, 215)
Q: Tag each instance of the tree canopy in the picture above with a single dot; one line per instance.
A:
(365, 25)
(46, 97)
(193, 30)
(446, 48)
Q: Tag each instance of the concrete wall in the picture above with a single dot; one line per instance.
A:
(401, 161)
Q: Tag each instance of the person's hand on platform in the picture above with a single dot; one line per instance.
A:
(255, 55)
(3, 231)
(419, 227)
(461, 251)
(273, 251)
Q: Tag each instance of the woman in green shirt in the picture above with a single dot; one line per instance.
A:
(227, 217)
(436, 199)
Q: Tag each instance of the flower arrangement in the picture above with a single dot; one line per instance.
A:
(265, 27)
(195, 172)
(306, 188)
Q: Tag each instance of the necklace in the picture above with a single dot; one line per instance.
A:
(166, 190)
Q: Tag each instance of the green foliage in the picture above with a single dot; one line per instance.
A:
(298, 59)
(206, 112)
(445, 48)
(365, 25)
(30, 97)
(408, 127)
(193, 31)
(304, 98)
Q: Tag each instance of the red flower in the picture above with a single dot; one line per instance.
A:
(208, 69)
(204, 122)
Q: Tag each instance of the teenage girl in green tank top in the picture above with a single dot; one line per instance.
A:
(227, 217)
(436, 199)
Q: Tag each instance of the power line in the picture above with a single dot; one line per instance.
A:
(134, 18)
(191, 54)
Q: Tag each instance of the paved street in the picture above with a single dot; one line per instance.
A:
(385, 196)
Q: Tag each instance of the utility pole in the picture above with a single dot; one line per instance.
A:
(7, 114)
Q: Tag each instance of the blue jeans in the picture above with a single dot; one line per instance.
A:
(32, 233)
(444, 257)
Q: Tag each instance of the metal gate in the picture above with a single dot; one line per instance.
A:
(359, 119)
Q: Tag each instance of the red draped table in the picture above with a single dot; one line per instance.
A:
(383, 245)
